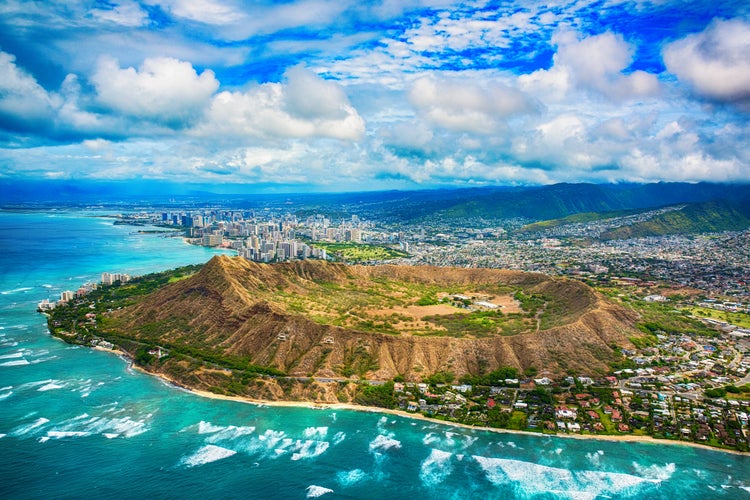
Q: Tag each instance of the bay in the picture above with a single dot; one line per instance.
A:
(76, 423)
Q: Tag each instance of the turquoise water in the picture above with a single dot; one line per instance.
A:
(79, 423)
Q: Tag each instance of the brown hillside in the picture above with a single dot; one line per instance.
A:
(252, 311)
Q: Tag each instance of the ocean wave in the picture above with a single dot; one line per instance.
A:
(16, 290)
(87, 425)
(309, 449)
(53, 385)
(655, 472)
(435, 468)
(594, 457)
(448, 440)
(383, 443)
(223, 433)
(65, 434)
(13, 355)
(17, 362)
(312, 432)
(5, 395)
(533, 479)
(207, 454)
(314, 491)
(348, 478)
(338, 438)
(29, 429)
(42, 360)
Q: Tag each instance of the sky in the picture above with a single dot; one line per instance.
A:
(350, 95)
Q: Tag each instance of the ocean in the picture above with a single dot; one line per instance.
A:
(79, 423)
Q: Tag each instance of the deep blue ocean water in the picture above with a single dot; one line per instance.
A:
(78, 423)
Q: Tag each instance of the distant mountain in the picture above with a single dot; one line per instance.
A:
(694, 218)
(562, 200)
(537, 203)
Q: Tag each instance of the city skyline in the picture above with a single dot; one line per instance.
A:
(338, 96)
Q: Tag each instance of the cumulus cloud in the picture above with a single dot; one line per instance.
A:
(163, 90)
(715, 62)
(23, 102)
(595, 63)
(304, 105)
(461, 105)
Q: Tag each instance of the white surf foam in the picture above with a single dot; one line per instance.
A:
(435, 468)
(18, 362)
(223, 433)
(15, 290)
(348, 478)
(314, 491)
(53, 385)
(231, 432)
(5, 395)
(208, 427)
(655, 472)
(207, 454)
(23, 430)
(309, 449)
(534, 479)
(338, 438)
(316, 432)
(14, 355)
(64, 434)
(595, 458)
(383, 443)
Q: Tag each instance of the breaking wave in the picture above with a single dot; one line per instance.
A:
(435, 468)
(383, 443)
(314, 491)
(533, 479)
(348, 478)
(207, 454)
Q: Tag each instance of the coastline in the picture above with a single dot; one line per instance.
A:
(418, 416)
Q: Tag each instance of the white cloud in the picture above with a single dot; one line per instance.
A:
(163, 90)
(594, 63)
(462, 105)
(127, 13)
(303, 106)
(715, 62)
(205, 11)
(22, 99)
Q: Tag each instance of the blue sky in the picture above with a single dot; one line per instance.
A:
(350, 95)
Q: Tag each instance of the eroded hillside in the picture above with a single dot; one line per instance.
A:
(329, 320)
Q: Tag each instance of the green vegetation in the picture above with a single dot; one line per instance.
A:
(740, 319)
(479, 324)
(495, 377)
(579, 218)
(73, 322)
(359, 252)
(695, 218)
(376, 395)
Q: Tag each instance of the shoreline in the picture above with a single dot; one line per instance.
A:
(418, 416)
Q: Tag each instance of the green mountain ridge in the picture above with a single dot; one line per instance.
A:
(696, 218)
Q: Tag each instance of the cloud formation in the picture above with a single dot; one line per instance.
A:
(303, 105)
(354, 95)
(715, 62)
(163, 90)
